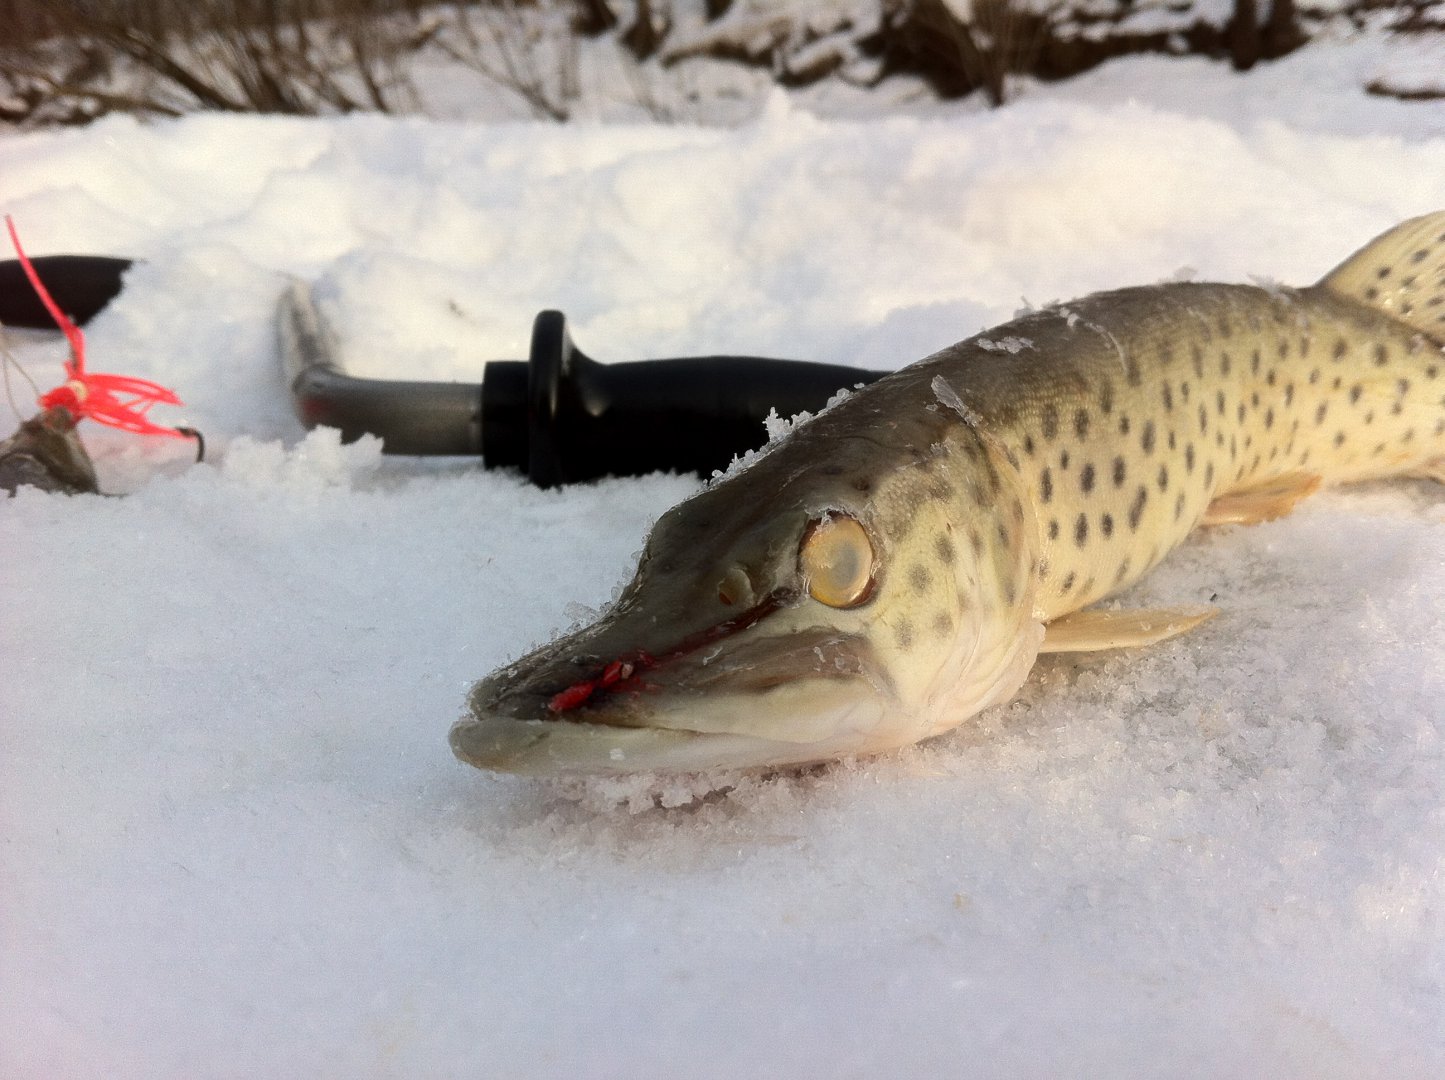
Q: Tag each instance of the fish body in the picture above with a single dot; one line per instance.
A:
(897, 564)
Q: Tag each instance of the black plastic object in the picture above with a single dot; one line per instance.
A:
(692, 414)
(80, 284)
(560, 416)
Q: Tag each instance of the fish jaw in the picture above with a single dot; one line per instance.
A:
(773, 692)
(554, 747)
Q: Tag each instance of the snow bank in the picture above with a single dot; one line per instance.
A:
(235, 842)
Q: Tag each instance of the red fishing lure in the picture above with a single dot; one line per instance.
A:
(119, 401)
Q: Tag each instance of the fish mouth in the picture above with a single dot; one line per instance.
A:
(755, 690)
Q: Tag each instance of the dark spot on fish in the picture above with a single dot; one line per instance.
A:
(1254, 362)
(1240, 412)
(1068, 582)
(1304, 346)
(1168, 398)
(1339, 438)
(1254, 399)
(1118, 472)
(1136, 509)
(1081, 530)
(1402, 386)
(1029, 445)
(1209, 475)
(1163, 478)
(1320, 411)
(1086, 478)
(942, 624)
(1355, 392)
(1224, 363)
(1383, 272)
(1420, 256)
(1203, 419)
(1063, 460)
(1179, 506)
(1189, 457)
(1338, 352)
(1173, 439)
(862, 484)
(1219, 401)
(1046, 485)
(1123, 572)
(1146, 440)
(1268, 418)
(1106, 397)
(975, 541)
(1123, 425)
(1372, 293)
(1050, 420)
(1131, 370)
(1106, 525)
(943, 548)
(1382, 356)
(1283, 349)
(1081, 423)
(1053, 528)
(1288, 394)
(1314, 376)
(1197, 356)
(918, 578)
(1010, 592)
(1003, 534)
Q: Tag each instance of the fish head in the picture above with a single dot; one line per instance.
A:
(792, 613)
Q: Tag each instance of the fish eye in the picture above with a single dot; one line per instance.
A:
(837, 561)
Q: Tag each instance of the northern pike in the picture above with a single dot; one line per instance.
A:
(896, 564)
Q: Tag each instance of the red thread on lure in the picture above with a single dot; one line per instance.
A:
(118, 401)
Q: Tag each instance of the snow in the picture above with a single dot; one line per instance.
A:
(235, 841)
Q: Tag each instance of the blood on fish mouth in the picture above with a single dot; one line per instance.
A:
(627, 669)
(615, 673)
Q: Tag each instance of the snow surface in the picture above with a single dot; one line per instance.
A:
(236, 844)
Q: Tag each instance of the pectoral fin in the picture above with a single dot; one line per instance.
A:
(1265, 503)
(1091, 631)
